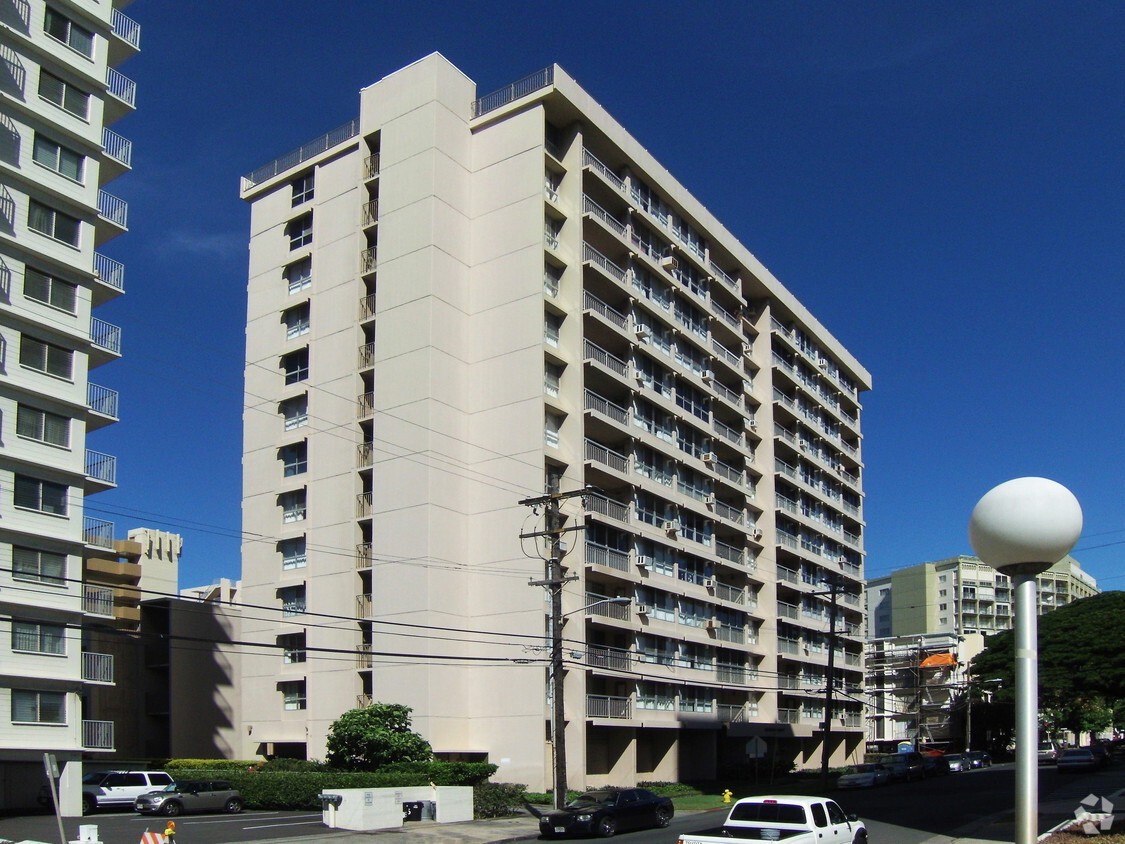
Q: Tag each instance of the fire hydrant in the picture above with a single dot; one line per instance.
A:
(727, 795)
(170, 833)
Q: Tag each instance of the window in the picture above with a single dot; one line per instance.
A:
(302, 189)
(292, 694)
(44, 496)
(62, 160)
(298, 275)
(63, 94)
(67, 31)
(295, 458)
(292, 506)
(43, 426)
(52, 223)
(37, 637)
(552, 275)
(300, 231)
(295, 411)
(38, 707)
(296, 366)
(551, 230)
(552, 375)
(292, 599)
(293, 554)
(45, 357)
(50, 290)
(40, 566)
(552, 427)
(292, 647)
(552, 324)
(297, 320)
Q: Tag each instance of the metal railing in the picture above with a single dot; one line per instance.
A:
(368, 260)
(593, 256)
(366, 355)
(593, 209)
(509, 93)
(97, 668)
(97, 533)
(592, 303)
(371, 166)
(602, 706)
(316, 146)
(612, 658)
(105, 335)
(116, 147)
(363, 505)
(109, 271)
(97, 735)
(367, 306)
(607, 456)
(363, 555)
(102, 400)
(121, 87)
(101, 467)
(113, 208)
(127, 29)
(594, 352)
(370, 213)
(607, 507)
(602, 405)
(592, 161)
(97, 600)
(599, 555)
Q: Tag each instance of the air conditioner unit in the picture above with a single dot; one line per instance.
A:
(643, 332)
(753, 424)
(642, 609)
(757, 534)
(643, 563)
(671, 528)
(823, 363)
(708, 375)
(668, 262)
(709, 500)
(708, 583)
(708, 457)
(714, 624)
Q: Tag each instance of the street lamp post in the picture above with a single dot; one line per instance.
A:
(1022, 528)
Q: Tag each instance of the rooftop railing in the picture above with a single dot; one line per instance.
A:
(510, 93)
(303, 153)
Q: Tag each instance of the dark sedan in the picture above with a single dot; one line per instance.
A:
(607, 811)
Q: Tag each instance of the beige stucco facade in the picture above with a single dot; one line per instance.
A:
(455, 303)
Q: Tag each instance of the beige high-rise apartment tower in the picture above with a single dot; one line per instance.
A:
(458, 302)
(60, 91)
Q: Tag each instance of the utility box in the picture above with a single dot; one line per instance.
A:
(412, 811)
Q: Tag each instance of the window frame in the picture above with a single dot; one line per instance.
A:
(299, 230)
(51, 284)
(294, 695)
(295, 366)
(297, 283)
(294, 458)
(24, 414)
(303, 187)
(294, 647)
(297, 319)
(294, 505)
(18, 695)
(20, 571)
(291, 421)
(53, 15)
(37, 209)
(47, 351)
(294, 553)
(294, 600)
(59, 499)
(49, 639)
(42, 143)
(65, 92)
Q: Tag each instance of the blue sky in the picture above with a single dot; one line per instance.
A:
(941, 183)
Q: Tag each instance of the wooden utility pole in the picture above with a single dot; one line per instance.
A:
(830, 682)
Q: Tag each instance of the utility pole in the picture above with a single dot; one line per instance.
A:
(830, 678)
(554, 581)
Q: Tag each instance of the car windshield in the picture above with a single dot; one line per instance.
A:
(180, 786)
(94, 778)
(953, 757)
(594, 798)
(861, 769)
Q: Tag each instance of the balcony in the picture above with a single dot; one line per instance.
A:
(363, 505)
(602, 706)
(371, 166)
(363, 658)
(97, 735)
(118, 156)
(106, 340)
(364, 454)
(370, 213)
(363, 606)
(614, 659)
(102, 403)
(126, 39)
(365, 356)
(97, 533)
(97, 668)
(122, 99)
(599, 555)
(363, 555)
(110, 275)
(113, 217)
(97, 600)
(101, 471)
(368, 260)
(367, 307)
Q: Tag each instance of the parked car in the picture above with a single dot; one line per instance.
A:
(1078, 759)
(1048, 753)
(190, 796)
(118, 788)
(956, 762)
(794, 819)
(935, 766)
(607, 811)
(864, 776)
(979, 759)
(904, 767)
(1101, 753)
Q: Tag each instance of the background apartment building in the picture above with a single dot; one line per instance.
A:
(60, 92)
(963, 595)
(457, 302)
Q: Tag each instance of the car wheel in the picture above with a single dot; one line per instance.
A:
(171, 808)
(233, 806)
(860, 837)
(663, 817)
(606, 827)
(89, 804)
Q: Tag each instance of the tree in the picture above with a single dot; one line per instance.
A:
(370, 738)
(1081, 664)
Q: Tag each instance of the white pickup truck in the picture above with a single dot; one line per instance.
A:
(795, 819)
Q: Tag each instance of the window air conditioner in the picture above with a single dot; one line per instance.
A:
(714, 624)
(709, 500)
(708, 375)
(668, 262)
(753, 424)
(708, 457)
(671, 528)
(642, 609)
(643, 563)
(643, 332)
(757, 534)
(708, 583)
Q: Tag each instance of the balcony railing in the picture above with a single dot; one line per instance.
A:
(97, 532)
(593, 256)
(370, 212)
(605, 407)
(363, 606)
(612, 658)
(363, 555)
(591, 161)
(367, 306)
(615, 510)
(598, 453)
(97, 735)
(366, 356)
(101, 467)
(368, 260)
(366, 402)
(599, 555)
(127, 29)
(102, 400)
(105, 335)
(121, 87)
(594, 352)
(592, 303)
(303, 153)
(113, 208)
(371, 166)
(520, 88)
(97, 668)
(109, 271)
(363, 658)
(601, 706)
(97, 600)
(363, 505)
(118, 148)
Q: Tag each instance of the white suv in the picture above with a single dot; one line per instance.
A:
(119, 788)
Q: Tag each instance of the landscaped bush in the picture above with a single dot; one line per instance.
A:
(497, 799)
(669, 789)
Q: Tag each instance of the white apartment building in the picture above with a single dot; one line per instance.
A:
(457, 302)
(60, 92)
(962, 595)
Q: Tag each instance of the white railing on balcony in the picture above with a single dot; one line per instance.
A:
(785, 610)
(726, 316)
(97, 668)
(370, 212)
(592, 303)
(728, 552)
(594, 352)
(303, 153)
(731, 594)
(97, 735)
(127, 29)
(116, 147)
(102, 400)
(366, 402)
(606, 408)
(101, 467)
(591, 161)
(105, 335)
(613, 658)
(593, 256)
(363, 505)
(735, 635)
(367, 306)
(97, 533)
(723, 276)
(122, 87)
(365, 355)
(363, 555)
(113, 208)
(726, 432)
(602, 706)
(368, 260)
(599, 555)
(363, 605)
(364, 452)
(727, 471)
(731, 514)
(601, 454)
(97, 600)
(594, 210)
(727, 393)
(109, 271)
(607, 507)
(509, 93)
(371, 166)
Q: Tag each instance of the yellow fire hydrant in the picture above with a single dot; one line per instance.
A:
(727, 795)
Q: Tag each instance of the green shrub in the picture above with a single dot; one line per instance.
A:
(497, 799)
(669, 789)
(173, 766)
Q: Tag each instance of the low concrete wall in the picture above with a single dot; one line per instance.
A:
(381, 808)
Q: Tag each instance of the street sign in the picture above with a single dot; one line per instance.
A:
(51, 766)
(756, 748)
